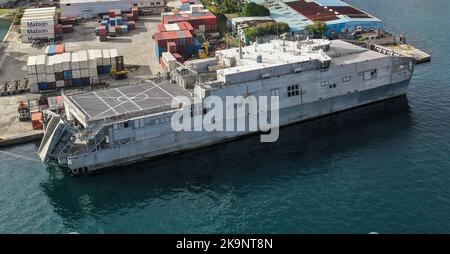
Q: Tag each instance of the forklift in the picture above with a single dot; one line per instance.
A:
(118, 70)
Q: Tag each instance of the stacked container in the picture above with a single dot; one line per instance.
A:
(183, 40)
(38, 23)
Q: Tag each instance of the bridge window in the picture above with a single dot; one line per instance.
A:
(293, 90)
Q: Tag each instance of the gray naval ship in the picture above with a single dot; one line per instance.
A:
(117, 126)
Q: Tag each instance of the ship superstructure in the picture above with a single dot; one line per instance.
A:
(311, 78)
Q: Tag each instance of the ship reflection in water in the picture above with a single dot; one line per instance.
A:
(226, 172)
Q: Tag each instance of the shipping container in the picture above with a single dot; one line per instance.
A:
(131, 25)
(106, 57)
(75, 62)
(36, 120)
(76, 74)
(83, 59)
(59, 83)
(67, 75)
(43, 86)
(60, 49)
(85, 81)
(159, 51)
(40, 63)
(106, 69)
(125, 29)
(49, 65)
(31, 38)
(76, 82)
(66, 58)
(52, 85)
(59, 76)
(31, 65)
(68, 82)
(67, 28)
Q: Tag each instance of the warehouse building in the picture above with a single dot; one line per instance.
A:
(91, 8)
(339, 16)
(38, 23)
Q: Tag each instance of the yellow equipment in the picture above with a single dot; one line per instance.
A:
(204, 53)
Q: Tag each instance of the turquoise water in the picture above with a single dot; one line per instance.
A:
(4, 26)
(383, 168)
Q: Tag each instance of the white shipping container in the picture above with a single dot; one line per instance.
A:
(51, 78)
(92, 64)
(37, 22)
(84, 73)
(60, 83)
(66, 58)
(93, 72)
(32, 78)
(94, 80)
(75, 63)
(113, 54)
(76, 73)
(34, 88)
(83, 58)
(49, 65)
(106, 57)
(40, 63)
(31, 65)
(30, 38)
(42, 78)
(57, 65)
(36, 31)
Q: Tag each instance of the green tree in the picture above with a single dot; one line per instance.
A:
(229, 6)
(17, 15)
(269, 28)
(317, 29)
(252, 10)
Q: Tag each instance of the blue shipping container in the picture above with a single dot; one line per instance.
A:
(43, 86)
(85, 81)
(106, 69)
(159, 51)
(52, 50)
(112, 22)
(67, 74)
(76, 82)
(190, 50)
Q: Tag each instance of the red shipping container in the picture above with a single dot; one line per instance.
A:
(118, 30)
(60, 48)
(58, 28)
(131, 25)
(171, 47)
(178, 57)
(179, 37)
(112, 13)
(102, 31)
(67, 28)
(36, 120)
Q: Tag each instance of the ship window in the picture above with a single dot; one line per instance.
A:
(333, 86)
(125, 125)
(293, 90)
(346, 79)
(372, 74)
(325, 83)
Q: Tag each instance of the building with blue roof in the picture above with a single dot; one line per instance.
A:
(339, 16)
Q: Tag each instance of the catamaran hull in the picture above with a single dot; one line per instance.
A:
(174, 142)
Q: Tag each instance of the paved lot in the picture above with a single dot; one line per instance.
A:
(137, 47)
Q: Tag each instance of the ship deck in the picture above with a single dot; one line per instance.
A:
(100, 104)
